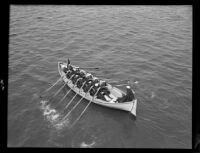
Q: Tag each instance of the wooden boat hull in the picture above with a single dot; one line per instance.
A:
(126, 106)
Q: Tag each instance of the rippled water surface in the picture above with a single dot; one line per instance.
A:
(150, 45)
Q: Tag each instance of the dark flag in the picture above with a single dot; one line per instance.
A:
(68, 63)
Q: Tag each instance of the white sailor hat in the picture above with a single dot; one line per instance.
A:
(128, 87)
(95, 78)
(88, 74)
(82, 71)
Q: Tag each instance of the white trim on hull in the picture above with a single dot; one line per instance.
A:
(126, 106)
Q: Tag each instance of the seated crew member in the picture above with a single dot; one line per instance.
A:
(94, 89)
(104, 87)
(100, 95)
(65, 69)
(82, 80)
(128, 97)
(72, 71)
(76, 72)
(104, 92)
(74, 79)
(69, 74)
(96, 85)
(79, 83)
(94, 81)
(103, 96)
(82, 73)
(69, 67)
(87, 85)
(88, 76)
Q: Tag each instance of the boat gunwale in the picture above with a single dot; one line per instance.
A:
(96, 100)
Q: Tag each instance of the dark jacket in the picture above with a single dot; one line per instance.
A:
(128, 97)
(69, 74)
(87, 86)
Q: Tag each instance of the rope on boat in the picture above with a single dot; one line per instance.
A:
(84, 110)
(76, 104)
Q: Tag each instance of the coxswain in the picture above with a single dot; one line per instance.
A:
(128, 97)
(129, 94)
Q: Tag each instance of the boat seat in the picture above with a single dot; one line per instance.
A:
(107, 98)
(113, 97)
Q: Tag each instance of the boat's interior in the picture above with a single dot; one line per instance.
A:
(114, 92)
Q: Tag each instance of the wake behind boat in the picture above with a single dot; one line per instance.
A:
(93, 89)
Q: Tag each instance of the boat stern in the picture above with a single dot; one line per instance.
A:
(133, 109)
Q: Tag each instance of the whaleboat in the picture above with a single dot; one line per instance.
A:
(129, 106)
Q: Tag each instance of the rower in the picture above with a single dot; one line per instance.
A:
(65, 69)
(79, 82)
(88, 76)
(103, 92)
(104, 88)
(100, 95)
(83, 79)
(94, 88)
(77, 70)
(69, 74)
(87, 85)
(74, 78)
(82, 73)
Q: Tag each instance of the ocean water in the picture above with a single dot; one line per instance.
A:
(149, 45)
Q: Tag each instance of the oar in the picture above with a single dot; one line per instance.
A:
(90, 68)
(76, 105)
(84, 109)
(67, 92)
(59, 90)
(121, 84)
(74, 97)
(51, 87)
